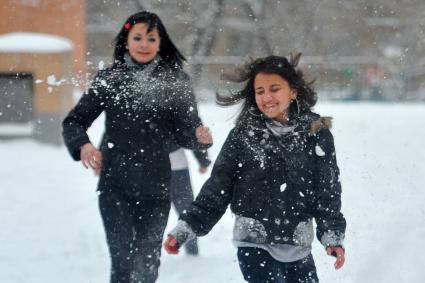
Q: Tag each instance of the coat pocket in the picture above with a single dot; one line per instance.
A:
(249, 230)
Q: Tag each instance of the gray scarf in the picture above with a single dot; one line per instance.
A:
(142, 71)
(278, 129)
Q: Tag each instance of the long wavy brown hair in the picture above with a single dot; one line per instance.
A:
(287, 69)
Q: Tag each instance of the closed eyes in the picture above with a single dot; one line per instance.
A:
(150, 39)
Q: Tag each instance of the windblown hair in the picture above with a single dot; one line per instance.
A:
(167, 50)
(279, 65)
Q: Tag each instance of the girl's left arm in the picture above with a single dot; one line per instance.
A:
(185, 114)
(330, 221)
(202, 157)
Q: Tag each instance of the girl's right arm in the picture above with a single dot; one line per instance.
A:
(80, 118)
(212, 201)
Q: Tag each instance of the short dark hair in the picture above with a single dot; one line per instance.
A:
(167, 50)
(279, 65)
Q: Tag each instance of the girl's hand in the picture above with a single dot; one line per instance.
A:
(170, 245)
(91, 157)
(203, 135)
(339, 253)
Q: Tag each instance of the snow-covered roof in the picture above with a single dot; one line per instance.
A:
(29, 42)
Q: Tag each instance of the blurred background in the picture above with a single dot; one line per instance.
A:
(367, 57)
(356, 50)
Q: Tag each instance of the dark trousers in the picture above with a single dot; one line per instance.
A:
(134, 230)
(181, 195)
(258, 266)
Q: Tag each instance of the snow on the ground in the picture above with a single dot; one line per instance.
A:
(51, 229)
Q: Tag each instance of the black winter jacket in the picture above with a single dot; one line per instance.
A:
(146, 118)
(202, 157)
(275, 185)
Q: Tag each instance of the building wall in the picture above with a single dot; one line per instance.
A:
(58, 17)
(55, 99)
(50, 99)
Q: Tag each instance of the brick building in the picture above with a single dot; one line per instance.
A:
(56, 17)
(42, 61)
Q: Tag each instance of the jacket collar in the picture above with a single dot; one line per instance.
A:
(307, 124)
(140, 68)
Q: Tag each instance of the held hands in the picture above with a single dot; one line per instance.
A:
(337, 252)
(178, 236)
(91, 157)
(171, 246)
(203, 135)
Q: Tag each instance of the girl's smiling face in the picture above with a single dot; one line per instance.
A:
(273, 96)
(143, 46)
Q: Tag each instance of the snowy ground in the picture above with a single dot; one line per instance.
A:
(51, 229)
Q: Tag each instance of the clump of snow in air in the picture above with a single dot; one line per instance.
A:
(51, 80)
(101, 65)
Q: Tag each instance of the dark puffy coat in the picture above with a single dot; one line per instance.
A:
(274, 185)
(145, 119)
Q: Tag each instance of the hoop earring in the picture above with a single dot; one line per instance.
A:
(298, 106)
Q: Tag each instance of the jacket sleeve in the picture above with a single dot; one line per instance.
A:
(80, 118)
(216, 194)
(202, 157)
(330, 221)
(185, 113)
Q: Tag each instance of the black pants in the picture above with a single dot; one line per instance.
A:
(182, 196)
(134, 230)
(258, 266)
